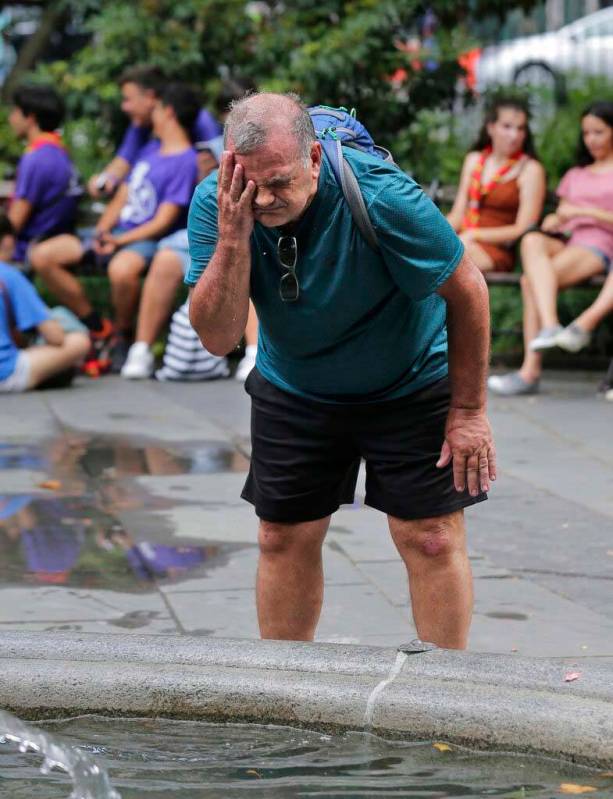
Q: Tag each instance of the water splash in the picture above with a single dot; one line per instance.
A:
(88, 779)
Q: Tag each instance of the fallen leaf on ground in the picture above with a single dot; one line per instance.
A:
(50, 485)
(570, 787)
(442, 747)
(571, 676)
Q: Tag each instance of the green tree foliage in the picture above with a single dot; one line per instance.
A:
(329, 51)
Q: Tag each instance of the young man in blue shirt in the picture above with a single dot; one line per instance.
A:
(22, 310)
(352, 362)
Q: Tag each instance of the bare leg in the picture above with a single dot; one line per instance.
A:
(537, 251)
(480, 257)
(46, 361)
(125, 270)
(51, 260)
(602, 305)
(440, 580)
(531, 367)
(158, 297)
(290, 579)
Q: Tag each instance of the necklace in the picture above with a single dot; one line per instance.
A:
(476, 189)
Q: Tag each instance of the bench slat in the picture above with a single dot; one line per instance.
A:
(512, 279)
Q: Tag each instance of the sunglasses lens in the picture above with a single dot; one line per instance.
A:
(288, 288)
(288, 251)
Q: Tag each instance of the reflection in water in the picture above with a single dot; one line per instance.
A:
(87, 531)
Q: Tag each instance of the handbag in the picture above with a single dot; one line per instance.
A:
(185, 358)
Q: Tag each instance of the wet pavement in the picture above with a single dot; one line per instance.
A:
(120, 511)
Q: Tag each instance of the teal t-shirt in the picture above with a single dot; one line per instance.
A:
(367, 326)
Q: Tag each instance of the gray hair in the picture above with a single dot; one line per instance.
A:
(254, 117)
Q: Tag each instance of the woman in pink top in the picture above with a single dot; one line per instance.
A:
(572, 245)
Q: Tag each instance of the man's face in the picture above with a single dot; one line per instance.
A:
(137, 103)
(18, 122)
(7, 247)
(285, 184)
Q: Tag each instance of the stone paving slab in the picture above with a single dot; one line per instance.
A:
(89, 408)
(238, 571)
(67, 605)
(541, 547)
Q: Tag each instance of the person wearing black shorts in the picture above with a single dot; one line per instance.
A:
(374, 354)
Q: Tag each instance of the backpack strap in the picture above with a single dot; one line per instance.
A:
(350, 187)
(355, 200)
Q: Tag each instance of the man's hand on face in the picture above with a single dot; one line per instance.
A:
(234, 200)
(469, 443)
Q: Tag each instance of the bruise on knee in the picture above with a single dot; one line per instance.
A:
(435, 543)
(431, 538)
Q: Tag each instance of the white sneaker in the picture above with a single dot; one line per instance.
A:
(246, 364)
(139, 362)
(547, 339)
(573, 338)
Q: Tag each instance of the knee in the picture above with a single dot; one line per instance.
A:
(274, 539)
(431, 539)
(38, 256)
(531, 243)
(166, 264)
(121, 272)
(79, 344)
(300, 540)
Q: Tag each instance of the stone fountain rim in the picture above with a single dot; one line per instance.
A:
(503, 702)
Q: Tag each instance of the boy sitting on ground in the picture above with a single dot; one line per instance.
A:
(152, 203)
(21, 310)
(46, 193)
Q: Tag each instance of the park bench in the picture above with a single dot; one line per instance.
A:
(513, 278)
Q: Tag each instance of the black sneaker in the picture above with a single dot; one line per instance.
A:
(118, 352)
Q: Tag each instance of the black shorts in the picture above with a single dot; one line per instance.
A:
(306, 455)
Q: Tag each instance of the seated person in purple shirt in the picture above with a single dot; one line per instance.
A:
(140, 88)
(152, 203)
(47, 191)
(171, 261)
(21, 310)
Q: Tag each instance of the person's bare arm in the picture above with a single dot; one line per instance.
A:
(19, 212)
(165, 215)
(52, 332)
(219, 303)
(567, 211)
(106, 181)
(458, 210)
(468, 436)
(111, 213)
(532, 189)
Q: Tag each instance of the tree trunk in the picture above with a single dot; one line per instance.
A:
(33, 48)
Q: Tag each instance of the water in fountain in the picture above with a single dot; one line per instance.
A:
(88, 779)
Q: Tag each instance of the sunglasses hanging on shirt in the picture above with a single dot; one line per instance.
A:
(287, 252)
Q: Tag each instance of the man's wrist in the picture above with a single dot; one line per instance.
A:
(468, 407)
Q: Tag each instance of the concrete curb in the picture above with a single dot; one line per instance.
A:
(485, 701)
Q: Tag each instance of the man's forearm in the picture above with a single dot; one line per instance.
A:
(468, 327)
(219, 303)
